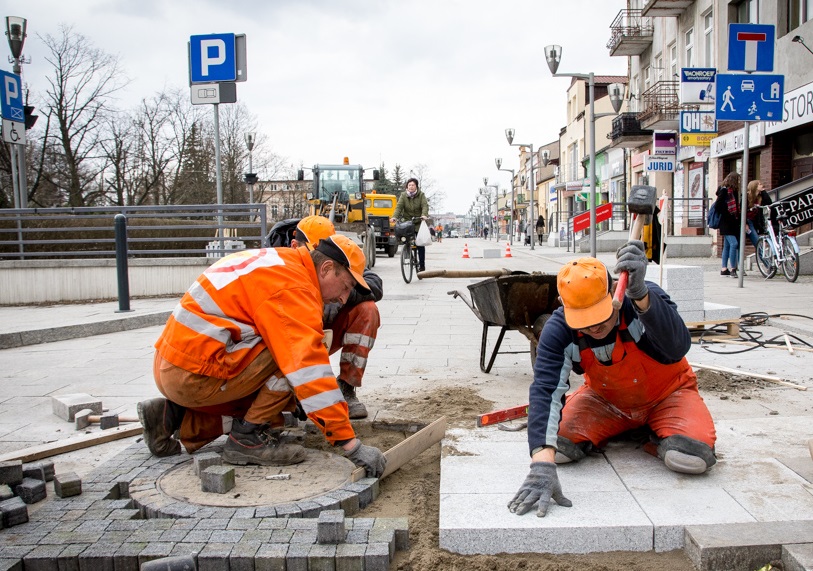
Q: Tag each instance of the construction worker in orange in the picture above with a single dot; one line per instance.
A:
(354, 324)
(243, 341)
(636, 376)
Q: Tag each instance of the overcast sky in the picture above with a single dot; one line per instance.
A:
(431, 82)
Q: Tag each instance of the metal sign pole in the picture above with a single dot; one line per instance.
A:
(219, 176)
(21, 172)
(744, 199)
(15, 182)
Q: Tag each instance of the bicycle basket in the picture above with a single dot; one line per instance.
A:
(404, 230)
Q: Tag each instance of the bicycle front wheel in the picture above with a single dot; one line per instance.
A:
(406, 263)
(790, 264)
(764, 258)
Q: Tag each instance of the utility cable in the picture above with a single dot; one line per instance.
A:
(748, 335)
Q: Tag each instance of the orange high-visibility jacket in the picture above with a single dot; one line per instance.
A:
(251, 300)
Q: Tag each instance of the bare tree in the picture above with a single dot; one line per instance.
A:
(77, 101)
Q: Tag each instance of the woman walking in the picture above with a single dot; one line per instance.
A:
(728, 205)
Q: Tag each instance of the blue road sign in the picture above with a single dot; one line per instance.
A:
(212, 58)
(750, 47)
(11, 105)
(743, 97)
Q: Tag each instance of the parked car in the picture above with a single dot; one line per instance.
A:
(454, 234)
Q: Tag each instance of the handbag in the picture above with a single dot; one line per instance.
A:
(424, 237)
(713, 217)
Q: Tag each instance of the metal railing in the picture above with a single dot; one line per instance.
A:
(629, 24)
(660, 99)
(209, 230)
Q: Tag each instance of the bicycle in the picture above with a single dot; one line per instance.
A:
(409, 253)
(772, 251)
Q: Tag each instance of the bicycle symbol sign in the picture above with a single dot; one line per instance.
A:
(13, 132)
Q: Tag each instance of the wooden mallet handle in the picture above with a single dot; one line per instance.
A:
(621, 288)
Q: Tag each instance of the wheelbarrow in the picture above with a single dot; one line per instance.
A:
(511, 300)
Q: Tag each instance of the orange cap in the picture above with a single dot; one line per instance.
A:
(343, 250)
(313, 229)
(585, 292)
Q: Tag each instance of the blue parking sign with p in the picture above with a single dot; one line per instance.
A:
(11, 105)
(212, 58)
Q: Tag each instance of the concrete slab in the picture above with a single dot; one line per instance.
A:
(597, 522)
(798, 557)
(734, 547)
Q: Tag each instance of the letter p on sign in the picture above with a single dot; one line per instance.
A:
(11, 89)
(212, 58)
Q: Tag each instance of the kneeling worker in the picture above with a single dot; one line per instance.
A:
(244, 340)
(635, 374)
(354, 324)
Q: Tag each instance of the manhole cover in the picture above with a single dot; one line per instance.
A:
(321, 472)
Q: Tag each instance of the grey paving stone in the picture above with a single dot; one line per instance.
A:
(13, 512)
(348, 501)
(242, 555)
(288, 510)
(46, 465)
(330, 527)
(175, 562)
(155, 550)
(302, 523)
(350, 557)
(214, 557)
(296, 559)
(30, 490)
(261, 535)
(11, 472)
(273, 523)
(266, 511)
(67, 484)
(304, 536)
(322, 558)
(230, 536)
(309, 509)
(399, 525)
(7, 564)
(43, 558)
(798, 557)
(731, 547)
(358, 536)
(271, 557)
(597, 522)
(217, 479)
(34, 471)
(126, 556)
(379, 535)
(68, 559)
(5, 492)
(66, 406)
(98, 557)
(377, 557)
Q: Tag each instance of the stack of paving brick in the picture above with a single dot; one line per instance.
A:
(21, 485)
(684, 284)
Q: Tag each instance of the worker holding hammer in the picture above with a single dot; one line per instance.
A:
(636, 375)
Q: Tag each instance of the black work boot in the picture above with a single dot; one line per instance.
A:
(250, 443)
(356, 408)
(160, 418)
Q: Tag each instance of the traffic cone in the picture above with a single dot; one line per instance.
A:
(465, 251)
(508, 250)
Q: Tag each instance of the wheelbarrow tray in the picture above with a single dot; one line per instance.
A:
(516, 300)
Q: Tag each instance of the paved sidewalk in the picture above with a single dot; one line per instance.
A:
(430, 340)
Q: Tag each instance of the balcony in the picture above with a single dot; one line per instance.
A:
(627, 131)
(665, 8)
(660, 107)
(631, 34)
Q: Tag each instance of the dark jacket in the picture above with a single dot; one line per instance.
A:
(759, 220)
(409, 208)
(729, 223)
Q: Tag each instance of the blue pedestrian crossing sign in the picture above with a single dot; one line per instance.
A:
(751, 47)
(11, 104)
(745, 97)
(212, 58)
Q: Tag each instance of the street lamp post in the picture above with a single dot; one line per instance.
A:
(498, 162)
(553, 56)
(251, 176)
(509, 134)
(16, 33)
(496, 201)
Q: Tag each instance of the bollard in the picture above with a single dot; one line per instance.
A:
(121, 263)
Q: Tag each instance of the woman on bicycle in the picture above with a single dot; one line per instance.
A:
(728, 205)
(413, 204)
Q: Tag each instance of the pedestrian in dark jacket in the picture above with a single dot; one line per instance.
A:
(728, 205)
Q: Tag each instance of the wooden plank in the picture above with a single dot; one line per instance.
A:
(408, 449)
(70, 444)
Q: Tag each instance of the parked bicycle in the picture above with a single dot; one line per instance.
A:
(405, 233)
(773, 251)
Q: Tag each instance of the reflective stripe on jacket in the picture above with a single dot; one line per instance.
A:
(251, 300)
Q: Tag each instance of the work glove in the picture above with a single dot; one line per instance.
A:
(367, 457)
(329, 314)
(540, 486)
(631, 258)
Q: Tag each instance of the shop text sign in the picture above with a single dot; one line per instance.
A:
(582, 221)
(798, 208)
(655, 163)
